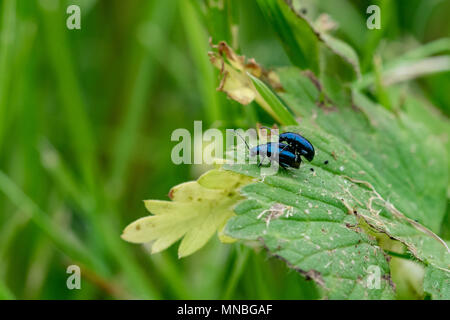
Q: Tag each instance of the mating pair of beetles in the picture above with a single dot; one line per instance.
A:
(288, 151)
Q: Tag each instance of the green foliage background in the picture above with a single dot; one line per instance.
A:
(85, 123)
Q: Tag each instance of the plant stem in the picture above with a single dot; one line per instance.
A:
(406, 256)
(198, 44)
(238, 268)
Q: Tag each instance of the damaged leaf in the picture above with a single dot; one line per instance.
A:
(198, 210)
(303, 39)
(319, 238)
(437, 283)
(374, 172)
(241, 82)
(234, 68)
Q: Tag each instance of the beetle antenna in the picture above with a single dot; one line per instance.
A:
(265, 127)
(284, 148)
(235, 132)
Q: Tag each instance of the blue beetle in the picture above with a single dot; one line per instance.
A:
(299, 144)
(280, 152)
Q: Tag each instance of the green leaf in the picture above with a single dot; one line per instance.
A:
(437, 283)
(319, 240)
(342, 49)
(297, 35)
(303, 40)
(311, 46)
(374, 172)
(198, 209)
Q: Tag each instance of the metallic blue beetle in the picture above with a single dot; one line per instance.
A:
(280, 152)
(289, 150)
(300, 145)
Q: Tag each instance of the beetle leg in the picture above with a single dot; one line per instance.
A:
(283, 165)
(262, 160)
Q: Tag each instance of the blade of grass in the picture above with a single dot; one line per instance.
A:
(262, 277)
(409, 59)
(137, 277)
(70, 189)
(9, 231)
(38, 269)
(417, 69)
(388, 10)
(106, 234)
(74, 249)
(84, 147)
(42, 251)
(27, 109)
(73, 105)
(380, 90)
(169, 271)
(168, 55)
(112, 288)
(198, 45)
(62, 238)
(159, 17)
(238, 268)
(428, 49)
(218, 20)
(7, 34)
(272, 103)
(54, 164)
(5, 293)
(408, 70)
(298, 38)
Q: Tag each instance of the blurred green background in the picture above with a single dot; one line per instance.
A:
(85, 123)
